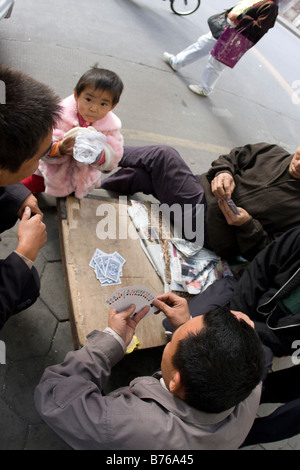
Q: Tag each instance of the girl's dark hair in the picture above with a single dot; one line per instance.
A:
(220, 365)
(101, 79)
(30, 113)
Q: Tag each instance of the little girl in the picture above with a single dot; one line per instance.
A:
(95, 96)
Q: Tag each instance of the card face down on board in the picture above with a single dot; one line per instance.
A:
(107, 267)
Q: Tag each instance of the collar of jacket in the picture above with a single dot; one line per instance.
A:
(150, 388)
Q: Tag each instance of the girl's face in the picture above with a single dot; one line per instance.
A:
(93, 105)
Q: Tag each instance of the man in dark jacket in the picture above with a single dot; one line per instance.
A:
(268, 291)
(26, 122)
(252, 19)
(262, 179)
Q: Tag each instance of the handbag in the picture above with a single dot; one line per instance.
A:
(217, 23)
(231, 46)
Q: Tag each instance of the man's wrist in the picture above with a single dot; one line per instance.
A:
(111, 332)
(26, 260)
(30, 252)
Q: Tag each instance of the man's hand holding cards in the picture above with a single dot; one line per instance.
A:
(232, 206)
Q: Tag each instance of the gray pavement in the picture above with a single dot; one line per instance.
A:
(56, 42)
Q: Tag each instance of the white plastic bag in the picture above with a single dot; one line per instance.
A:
(89, 144)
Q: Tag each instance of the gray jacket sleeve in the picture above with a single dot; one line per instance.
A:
(69, 396)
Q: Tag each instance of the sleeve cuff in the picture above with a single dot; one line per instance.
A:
(248, 225)
(223, 171)
(116, 336)
(54, 152)
(26, 260)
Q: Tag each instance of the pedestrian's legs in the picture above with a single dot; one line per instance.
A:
(199, 49)
(211, 74)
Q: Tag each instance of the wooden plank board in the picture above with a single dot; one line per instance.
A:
(79, 223)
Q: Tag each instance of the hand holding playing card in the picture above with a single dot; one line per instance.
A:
(124, 324)
(140, 296)
(174, 307)
(231, 217)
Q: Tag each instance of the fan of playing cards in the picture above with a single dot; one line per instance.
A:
(140, 296)
(107, 267)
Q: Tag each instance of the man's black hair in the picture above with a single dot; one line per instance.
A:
(30, 113)
(221, 364)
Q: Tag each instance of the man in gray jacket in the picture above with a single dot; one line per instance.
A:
(206, 396)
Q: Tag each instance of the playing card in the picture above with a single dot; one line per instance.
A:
(97, 253)
(107, 267)
(99, 265)
(119, 257)
(140, 296)
(112, 269)
(232, 206)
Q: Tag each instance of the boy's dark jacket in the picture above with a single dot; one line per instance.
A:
(19, 285)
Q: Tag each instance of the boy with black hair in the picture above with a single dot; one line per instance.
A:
(27, 118)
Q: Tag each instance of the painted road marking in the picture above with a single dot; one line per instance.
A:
(152, 138)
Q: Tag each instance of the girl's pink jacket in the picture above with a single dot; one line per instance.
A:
(64, 175)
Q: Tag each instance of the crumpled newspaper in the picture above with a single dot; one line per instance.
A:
(89, 144)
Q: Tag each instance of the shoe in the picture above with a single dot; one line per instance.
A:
(168, 58)
(196, 89)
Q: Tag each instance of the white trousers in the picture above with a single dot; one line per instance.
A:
(199, 49)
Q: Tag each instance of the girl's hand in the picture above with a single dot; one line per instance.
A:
(65, 147)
